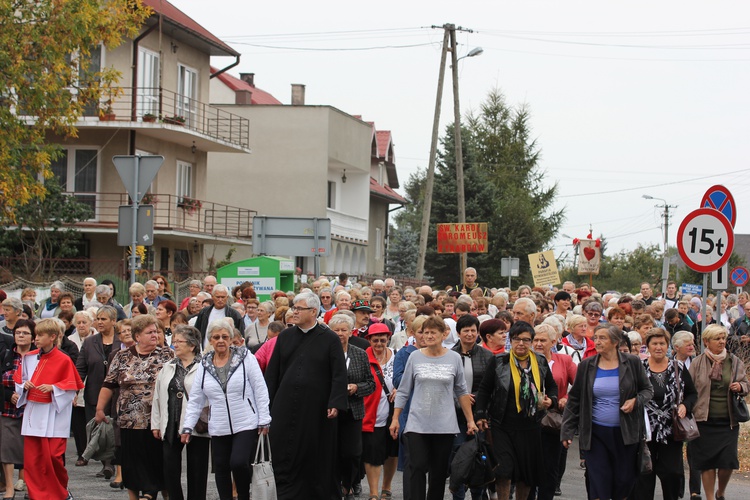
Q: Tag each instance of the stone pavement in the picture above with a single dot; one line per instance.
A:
(85, 486)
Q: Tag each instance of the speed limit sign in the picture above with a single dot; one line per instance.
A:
(705, 240)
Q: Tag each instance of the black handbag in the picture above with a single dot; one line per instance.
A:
(685, 428)
(739, 408)
(552, 420)
(645, 464)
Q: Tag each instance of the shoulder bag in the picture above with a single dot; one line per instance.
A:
(264, 483)
(686, 428)
(739, 408)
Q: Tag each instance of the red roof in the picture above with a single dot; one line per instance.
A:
(176, 16)
(386, 192)
(384, 145)
(258, 96)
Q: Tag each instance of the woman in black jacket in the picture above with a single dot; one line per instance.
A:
(673, 388)
(475, 359)
(514, 395)
(605, 407)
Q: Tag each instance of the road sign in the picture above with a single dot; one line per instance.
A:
(148, 167)
(144, 227)
(720, 278)
(509, 267)
(739, 276)
(689, 288)
(719, 198)
(705, 240)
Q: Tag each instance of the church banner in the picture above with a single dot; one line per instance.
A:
(462, 238)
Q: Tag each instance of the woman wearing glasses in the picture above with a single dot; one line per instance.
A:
(513, 397)
(164, 289)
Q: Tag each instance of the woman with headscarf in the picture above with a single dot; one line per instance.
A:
(719, 376)
(517, 389)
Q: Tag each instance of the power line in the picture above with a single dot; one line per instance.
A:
(339, 49)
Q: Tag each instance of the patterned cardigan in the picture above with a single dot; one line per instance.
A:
(358, 372)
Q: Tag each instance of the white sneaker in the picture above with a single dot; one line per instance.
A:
(20, 485)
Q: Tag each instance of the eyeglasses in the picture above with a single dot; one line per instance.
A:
(594, 313)
(161, 283)
(22, 332)
(378, 341)
(525, 340)
(300, 309)
(179, 341)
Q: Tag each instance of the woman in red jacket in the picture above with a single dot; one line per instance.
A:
(379, 450)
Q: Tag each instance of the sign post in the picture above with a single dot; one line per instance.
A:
(137, 172)
(509, 266)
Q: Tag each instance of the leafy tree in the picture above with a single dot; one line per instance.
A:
(43, 232)
(504, 186)
(47, 80)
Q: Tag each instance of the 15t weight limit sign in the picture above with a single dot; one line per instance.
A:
(705, 240)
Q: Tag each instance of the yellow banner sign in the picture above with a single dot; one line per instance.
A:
(544, 268)
(462, 238)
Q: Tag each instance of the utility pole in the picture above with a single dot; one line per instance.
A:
(427, 207)
(449, 44)
(665, 263)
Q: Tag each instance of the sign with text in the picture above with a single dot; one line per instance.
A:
(544, 268)
(462, 238)
(262, 286)
(689, 288)
(589, 257)
(705, 240)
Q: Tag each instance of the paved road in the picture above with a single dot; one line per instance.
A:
(85, 486)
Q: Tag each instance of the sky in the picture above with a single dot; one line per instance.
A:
(626, 98)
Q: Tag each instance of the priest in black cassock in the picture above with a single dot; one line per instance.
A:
(306, 379)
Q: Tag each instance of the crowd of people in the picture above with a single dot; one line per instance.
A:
(355, 381)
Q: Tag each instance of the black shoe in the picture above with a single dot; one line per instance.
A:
(108, 471)
(357, 489)
(558, 492)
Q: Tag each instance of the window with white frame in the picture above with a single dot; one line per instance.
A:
(187, 94)
(149, 71)
(77, 171)
(184, 180)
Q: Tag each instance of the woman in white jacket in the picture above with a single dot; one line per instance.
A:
(173, 386)
(231, 380)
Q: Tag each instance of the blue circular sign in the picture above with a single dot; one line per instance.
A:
(739, 276)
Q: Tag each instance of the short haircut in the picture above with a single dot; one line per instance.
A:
(713, 331)
(14, 303)
(169, 306)
(614, 333)
(140, 323)
(276, 326)
(643, 319)
(520, 327)
(529, 306)
(220, 324)
(466, 321)
(616, 311)
(681, 338)
(103, 290)
(191, 335)
(310, 299)
(671, 314)
(66, 295)
(219, 288)
(341, 319)
(31, 324)
(66, 315)
(434, 323)
(463, 306)
(48, 326)
(57, 285)
(546, 329)
(491, 326)
(137, 288)
(573, 321)
(109, 311)
(657, 333)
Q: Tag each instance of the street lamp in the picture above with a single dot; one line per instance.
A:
(665, 265)
(473, 52)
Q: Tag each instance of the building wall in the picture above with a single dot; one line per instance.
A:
(378, 228)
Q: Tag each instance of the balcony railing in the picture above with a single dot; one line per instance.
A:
(173, 213)
(158, 105)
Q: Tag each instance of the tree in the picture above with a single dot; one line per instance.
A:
(44, 232)
(402, 247)
(48, 79)
(504, 186)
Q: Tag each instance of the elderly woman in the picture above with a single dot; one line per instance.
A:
(133, 371)
(164, 312)
(394, 297)
(433, 376)
(379, 449)
(673, 389)
(82, 321)
(494, 333)
(592, 311)
(475, 360)
(719, 376)
(576, 338)
(326, 301)
(564, 372)
(173, 386)
(12, 309)
(232, 384)
(137, 293)
(11, 451)
(257, 332)
(605, 406)
(50, 308)
(360, 383)
(515, 393)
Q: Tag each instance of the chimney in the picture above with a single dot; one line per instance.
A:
(298, 94)
(248, 78)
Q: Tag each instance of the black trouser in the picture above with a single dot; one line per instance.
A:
(551, 446)
(562, 464)
(350, 448)
(197, 467)
(667, 460)
(695, 474)
(231, 457)
(78, 427)
(428, 454)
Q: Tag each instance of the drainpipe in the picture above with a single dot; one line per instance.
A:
(134, 86)
(235, 63)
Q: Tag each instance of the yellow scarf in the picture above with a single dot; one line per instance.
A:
(516, 374)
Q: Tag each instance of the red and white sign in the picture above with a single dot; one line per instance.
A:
(705, 240)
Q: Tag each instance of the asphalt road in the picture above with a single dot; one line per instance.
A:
(85, 486)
